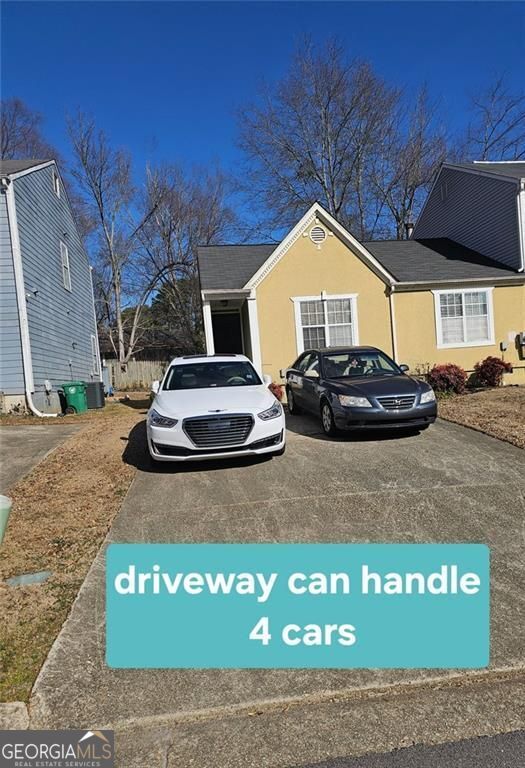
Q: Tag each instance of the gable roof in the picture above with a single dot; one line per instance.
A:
(510, 170)
(8, 167)
(231, 266)
(316, 214)
(435, 260)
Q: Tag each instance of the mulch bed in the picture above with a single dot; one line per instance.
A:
(498, 412)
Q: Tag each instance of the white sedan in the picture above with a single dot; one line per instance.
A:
(210, 407)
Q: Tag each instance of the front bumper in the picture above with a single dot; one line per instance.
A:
(174, 444)
(380, 418)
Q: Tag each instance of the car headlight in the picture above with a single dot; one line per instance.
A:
(156, 419)
(271, 413)
(427, 397)
(354, 402)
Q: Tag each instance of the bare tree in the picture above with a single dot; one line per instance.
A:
(403, 170)
(103, 177)
(21, 133)
(312, 136)
(190, 209)
(497, 128)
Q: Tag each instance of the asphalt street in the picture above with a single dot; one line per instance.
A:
(504, 751)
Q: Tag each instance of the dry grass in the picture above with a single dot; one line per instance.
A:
(497, 412)
(61, 513)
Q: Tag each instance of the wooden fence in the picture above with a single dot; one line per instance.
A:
(139, 374)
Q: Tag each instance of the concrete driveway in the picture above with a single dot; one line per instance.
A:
(23, 447)
(447, 484)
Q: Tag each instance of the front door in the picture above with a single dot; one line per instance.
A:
(227, 333)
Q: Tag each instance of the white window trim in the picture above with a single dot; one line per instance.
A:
(490, 318)
(324, 297)
(56, 183)
(64, 251)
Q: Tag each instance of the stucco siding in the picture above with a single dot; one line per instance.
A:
(306, 271)
(477, 211)
(61, 322)
(417, 336)
(11, 373)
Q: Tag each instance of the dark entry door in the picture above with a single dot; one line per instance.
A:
(227, 332)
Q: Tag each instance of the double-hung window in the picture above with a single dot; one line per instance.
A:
(325, 322)
(66, 273)
(464, 318)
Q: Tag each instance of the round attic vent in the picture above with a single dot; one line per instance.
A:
(317, 235)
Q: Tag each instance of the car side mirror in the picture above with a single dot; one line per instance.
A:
(312, 374)
(404, 368)
(267, 379)
(155, 386)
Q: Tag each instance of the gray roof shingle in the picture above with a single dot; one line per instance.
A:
(14, 166)
(231, 266)
(434, 259)
(513, 170)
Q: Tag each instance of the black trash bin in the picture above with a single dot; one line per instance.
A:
(95, 395)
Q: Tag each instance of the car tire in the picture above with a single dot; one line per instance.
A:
(293, 408)
(327, 419)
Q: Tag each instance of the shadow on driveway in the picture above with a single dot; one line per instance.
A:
(310, 426)
(137, 455)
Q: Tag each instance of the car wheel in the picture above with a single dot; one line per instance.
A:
(327, 420)
(293, 408)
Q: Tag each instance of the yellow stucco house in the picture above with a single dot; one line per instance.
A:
(453, 292)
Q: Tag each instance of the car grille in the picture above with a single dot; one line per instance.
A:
(400, 403)
(218, 431)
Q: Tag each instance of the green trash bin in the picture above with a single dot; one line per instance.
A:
(76, 398)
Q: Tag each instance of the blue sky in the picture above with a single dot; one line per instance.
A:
(164, 79)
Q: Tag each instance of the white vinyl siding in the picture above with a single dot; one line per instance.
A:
(329, 321)
(66, 273)
(464, 318)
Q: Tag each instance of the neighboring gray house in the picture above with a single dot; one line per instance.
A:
(480, 205)
(48, 332)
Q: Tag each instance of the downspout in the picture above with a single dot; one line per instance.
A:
(21, 300)
(96, 326)
(393, 321)
(521, 223)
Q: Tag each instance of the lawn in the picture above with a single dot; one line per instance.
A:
(61, 513)
(498, 412)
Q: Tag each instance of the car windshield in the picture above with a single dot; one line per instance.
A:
(211, 374)
(350, 364)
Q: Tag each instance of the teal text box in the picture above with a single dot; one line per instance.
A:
(203, 630)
